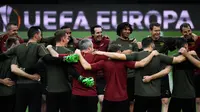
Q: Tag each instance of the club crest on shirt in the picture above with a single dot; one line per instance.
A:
(161, 43)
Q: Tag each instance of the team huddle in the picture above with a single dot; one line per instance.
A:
(67, 74)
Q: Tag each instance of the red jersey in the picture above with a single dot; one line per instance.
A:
(196, 47)
(3, 39)
(116, 78)
(77, 87)
(102, 45)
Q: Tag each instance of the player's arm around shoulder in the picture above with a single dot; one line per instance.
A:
(146, 60)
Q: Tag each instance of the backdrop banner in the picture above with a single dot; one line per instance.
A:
(81, 17)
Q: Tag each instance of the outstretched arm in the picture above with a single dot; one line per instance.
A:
(86, 65)
(178, 59)
(112, 55)
(15, 69)
(193, 60)
(83, 62)
(157, 75)
(146, 60)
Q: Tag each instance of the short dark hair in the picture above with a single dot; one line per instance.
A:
(123, 25)
(33, 30)
(180, 42)
(184, 25)
(114, 48)
(8, 26)
(146, 42)
(154, 24)
(65, 27)
(10, 41)
(59, 34)
(93, 27)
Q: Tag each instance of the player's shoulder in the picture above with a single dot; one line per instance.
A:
(105, 40)
(3, 36)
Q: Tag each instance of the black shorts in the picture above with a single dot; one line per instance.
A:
(165, 89)
(150, 104)
(84, 103)
(100, 84)
(197, 85)
(115, 106)
(8, 103)
(178, 104)
(130, 88)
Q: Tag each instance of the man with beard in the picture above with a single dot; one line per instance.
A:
(127, 46)
(193, 44)
(100, 43)
(11, 31)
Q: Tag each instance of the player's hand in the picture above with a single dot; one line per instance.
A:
(192, 52)
(49, 46)
(155, 52)
(183, 51)
(8, 82)
(86, 81)
(106, 36)
(78, 51)
(35, 77)
(73, 58)
(139, 45)
(147, 79)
